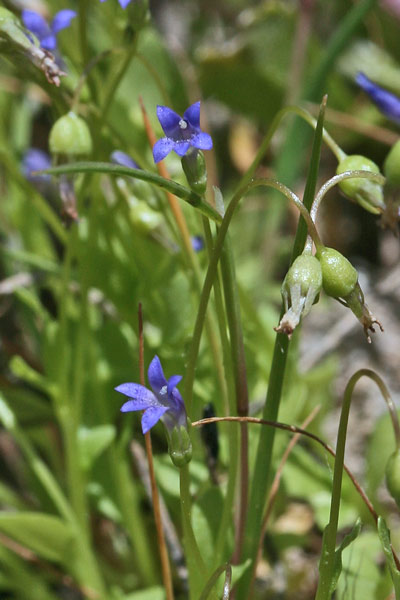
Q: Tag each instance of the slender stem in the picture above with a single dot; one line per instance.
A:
(82, 31)
(377, 177)
(112, 90)
(295, 430)
(165, 566)
(328, 552)
(228, 408)
(196, 567)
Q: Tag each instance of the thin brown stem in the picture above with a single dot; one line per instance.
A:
(165, 566)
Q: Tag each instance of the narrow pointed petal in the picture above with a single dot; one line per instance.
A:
(35, 23)
(156, 376)
(151, 416)
(202, 141)
(388, 103)
(121, 158)
(134, 405)
(161, 148)
(181, 148)
(137, 392)
(124, 3)
(169, 120)
(192, 115)
(62, 19)
(172, 382)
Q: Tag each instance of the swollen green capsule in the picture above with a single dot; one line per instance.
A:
(300, 289)
(339, 277)
(367, 193)
(393, 476)
(180, 446)
(70, 136)
(391, 166)
(194, 166)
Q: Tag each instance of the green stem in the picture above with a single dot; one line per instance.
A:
(195, 564)
(326, 567)
(112, 90)
(82, 31)
(167, 184)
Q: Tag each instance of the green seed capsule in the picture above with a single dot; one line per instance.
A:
(393, 476)
(391, 166)
(180, 446)
(339, 277)
(70, 136)
(365, 192)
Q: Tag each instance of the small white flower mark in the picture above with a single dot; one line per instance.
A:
(183, 124)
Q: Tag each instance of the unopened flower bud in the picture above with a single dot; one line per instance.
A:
(300, 289)
(340, 280)
(365, 192)
(194, 166)
(70, 136)
(391, 166)
(393, 476)
(180, 446)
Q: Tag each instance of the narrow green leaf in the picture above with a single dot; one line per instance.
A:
(384, 536)
(347, 540)
(46, 535)
(92, 442)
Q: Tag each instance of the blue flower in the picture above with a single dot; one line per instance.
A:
(47, 34)
(35, 160)
(164, 402)
(180, 132)
(388, 103)
(121, 158)
(197, 243)
(122, 3)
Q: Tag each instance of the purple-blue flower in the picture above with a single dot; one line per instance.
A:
(35, 159)
(388, 103)
(180, 132)
(122, 3)
(164, 402)
(45, 32)
(121, 158)
(197, 243)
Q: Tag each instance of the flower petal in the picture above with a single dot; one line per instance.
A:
(169, 120)
(139, 393)
(49, 42)
(133, 405)
(181, 148)
(151, 416)
(173, 382)
(124, 3)
(388, 103)
(192, 115)
(35, 23)
(121, 158)
(35, 160)
(162, 148)
(202, 141)
(62, 19)
(156, 376)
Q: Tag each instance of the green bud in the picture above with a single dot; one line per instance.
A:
(71, 136)
(138, 14)
(391, 166)
(180, 446)
(194, 166)
(339, 277)
(300, 290)
(340, 280)
(366, 192)
(393, 476)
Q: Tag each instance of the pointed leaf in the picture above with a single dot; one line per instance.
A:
(92, 442)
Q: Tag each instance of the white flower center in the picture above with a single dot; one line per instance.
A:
(163, 390)
(183, 124)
